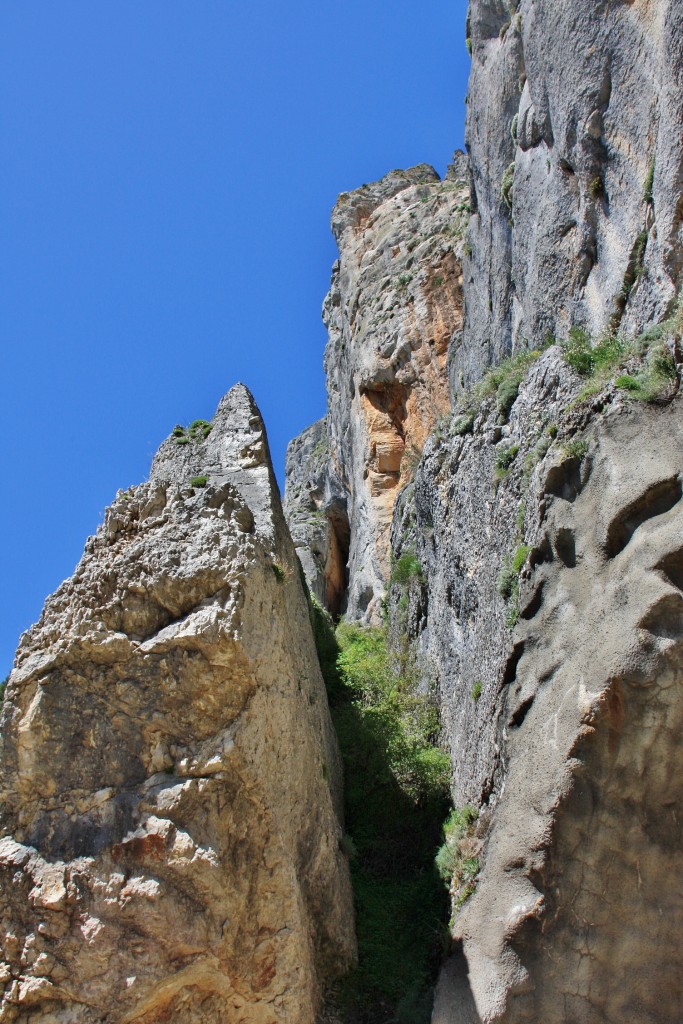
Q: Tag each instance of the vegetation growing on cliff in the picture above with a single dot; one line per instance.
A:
(457, 860)
(503, 381)
(198, 430)
(642, 367)
(508, 582)
(396, 797)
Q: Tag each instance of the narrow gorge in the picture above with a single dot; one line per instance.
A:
(407, 745)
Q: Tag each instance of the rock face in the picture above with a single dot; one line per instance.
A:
(170, 784)
(394, 306)
(561, 707)
(564, 730)
(315, 504)
(575, 136)
(169, 781)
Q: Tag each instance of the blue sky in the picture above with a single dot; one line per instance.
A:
(167, 174)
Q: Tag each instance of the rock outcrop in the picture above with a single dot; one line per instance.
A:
(170, 791)
(564, 728)
(575, 136)
(170, 788)
(394, 306)
(560, 701)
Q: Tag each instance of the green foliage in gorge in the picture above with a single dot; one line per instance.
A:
(396, 797)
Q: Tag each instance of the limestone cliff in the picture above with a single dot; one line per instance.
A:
(575, 136)
(170, 791)
(169, 782)
(565, 727)
(394, 306)
(540, 526)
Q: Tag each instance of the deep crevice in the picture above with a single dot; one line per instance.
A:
(665, 618)
(672, 567)
(565, 546)
(520, 714)
(510, 670)
(655, 501)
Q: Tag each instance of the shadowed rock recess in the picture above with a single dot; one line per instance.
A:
(171, 788)
(498, 482)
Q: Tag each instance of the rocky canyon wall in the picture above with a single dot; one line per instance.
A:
(561, 701)
(170, 787)
(575, 136)
(542, 517)
(394, 306)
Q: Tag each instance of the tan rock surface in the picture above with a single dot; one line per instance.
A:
(394, 306)
(170, 783)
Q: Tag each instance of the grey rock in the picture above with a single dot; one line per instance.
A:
(593, 93)
(571, 748)
(170, 786)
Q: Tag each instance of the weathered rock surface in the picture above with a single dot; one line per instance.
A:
(169, 781)
(315, 505)
(565, 730)
(394, 306)
(572, 106)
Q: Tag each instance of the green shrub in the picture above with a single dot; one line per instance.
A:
(396, 796)
(506, 185)
(503, 381)
(520, 556)
(3, 686)
(627, 383)
(596, 187)
(588, 359)
(199, 481)
(508, 582)
(648, 194)
(512, 615)
(506, 456)
(462, 424)
(406, 568)
(507, 579)
(639, 254)
(506, 397)
(575, 448)
(521, 517)
(197, 431)
(661, 363)
(476, 691)
(654, 379)
(278, 572)
(455, 861)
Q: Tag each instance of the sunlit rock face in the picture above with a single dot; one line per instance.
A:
(575, 137)
(564, 728)
(394, 307)
(170, 784)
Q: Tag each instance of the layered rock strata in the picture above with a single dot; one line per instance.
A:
(394, 306)
(170, 786)
(575, 136)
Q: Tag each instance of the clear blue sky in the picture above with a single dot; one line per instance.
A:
(167, 173)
